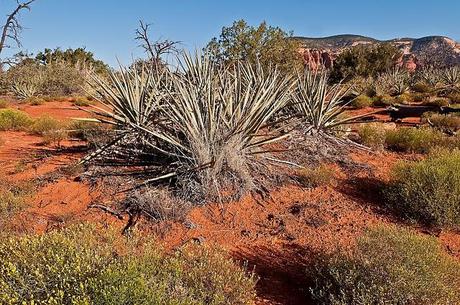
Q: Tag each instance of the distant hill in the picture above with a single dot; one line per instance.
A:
(437, 50)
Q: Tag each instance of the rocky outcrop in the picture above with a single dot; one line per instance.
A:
(431, 50)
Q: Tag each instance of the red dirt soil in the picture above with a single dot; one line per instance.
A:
(277, 237)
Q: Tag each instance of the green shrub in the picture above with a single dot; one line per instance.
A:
(362, 101)
(438, 102)
(82, 102)
(422, 87)
(3, 104)
(404, 98)
(414, 140)
(420, 97)
(79, 265)
(445, 122)
(34, 101)
(315, 177)
(383, 100)
(45, 124)
(15, 120)
(12, 198)
(454, 98)
(388, 266)
(372, 135)
(428, 190)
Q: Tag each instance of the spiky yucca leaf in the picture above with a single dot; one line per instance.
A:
(450, 78)
(319, 104)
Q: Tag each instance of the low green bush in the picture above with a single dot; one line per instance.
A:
(34, 101)
(429, 190)
(372, 135)
(454, 98)
(12, 198)
(437, 102)
(45, 124)
(383, 100)
(388, 266)
(316, 176)
(361, 101)
(81, 265)
(404, 98)
(421, 87)
(445, 122)
(14, 120)
(4, 104)
(418, 140)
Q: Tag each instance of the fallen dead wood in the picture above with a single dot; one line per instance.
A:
(399, 112)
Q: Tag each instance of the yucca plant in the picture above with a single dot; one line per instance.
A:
(320, 106)
(450, 78)
(27, 87)
(394, 82)
(430, 76)
(131, 102)
(210, 123)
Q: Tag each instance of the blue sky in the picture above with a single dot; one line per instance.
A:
(106, 27)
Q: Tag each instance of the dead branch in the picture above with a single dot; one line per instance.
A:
(155, 49)
(107, 210)
(13, 28)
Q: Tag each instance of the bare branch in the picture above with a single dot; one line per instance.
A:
(155, 49)
(12, 28)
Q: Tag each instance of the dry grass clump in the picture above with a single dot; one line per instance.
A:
(422, 87)
(383, 100)
(417, 140)
(4, 104)
(388, 266)
(82, 265)
(437, 102)
(314, 177)
(51, 129)
(429, 190)
(445, 122)
(14, 120)
(372, 135)
(158, 205)
(34, 101)
(362, 101)
(12, 198)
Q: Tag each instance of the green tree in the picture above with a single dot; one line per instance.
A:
(268, 44)
(75, 57)
(365, 61)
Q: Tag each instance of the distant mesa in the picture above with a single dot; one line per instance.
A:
(436, 50)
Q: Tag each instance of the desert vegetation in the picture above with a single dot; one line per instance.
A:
(237, 174)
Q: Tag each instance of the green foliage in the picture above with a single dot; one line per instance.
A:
(4, 104)
(404, 98)
(51, 129)
(14, 120)
(81, 265)
(12, 198)
(388, 266)
(415, 140)
(315, 177)
(79, 57)
(443, 122)
(454, 98)
(362, 101)
(264, 43)
(395, 81)
(34, 101)
(364, 60)
(429, 190)
(383, 100)
(422, 87)
(438, 102)
(372, 135)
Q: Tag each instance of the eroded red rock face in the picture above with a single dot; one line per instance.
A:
(415, 52)
(316, 59)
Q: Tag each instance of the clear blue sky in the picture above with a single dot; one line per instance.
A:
(106, 27)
